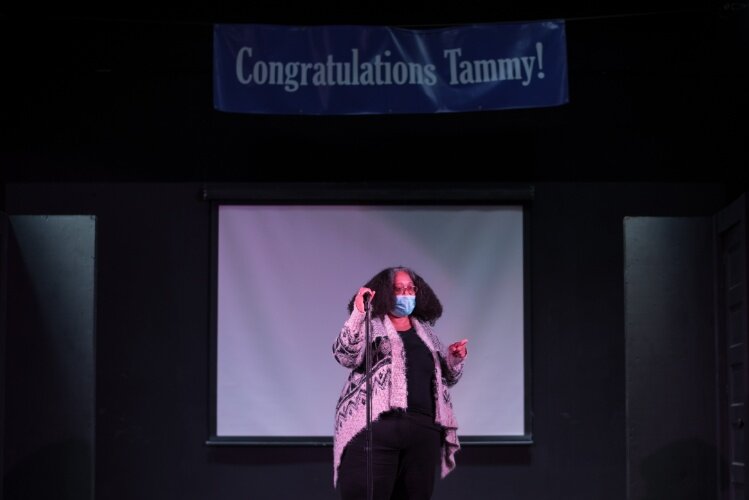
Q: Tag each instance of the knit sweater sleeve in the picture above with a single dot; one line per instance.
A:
(348, 348)
(452, 367)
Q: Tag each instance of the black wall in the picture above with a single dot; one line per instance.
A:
(152, 398)
(49, 416)
(656, 93)
(671, 358)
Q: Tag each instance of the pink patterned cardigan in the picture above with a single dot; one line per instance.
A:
(389, 389)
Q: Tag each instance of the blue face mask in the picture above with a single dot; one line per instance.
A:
(404, 305)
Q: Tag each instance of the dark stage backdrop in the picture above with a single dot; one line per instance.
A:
(50, 357)
(152, 338)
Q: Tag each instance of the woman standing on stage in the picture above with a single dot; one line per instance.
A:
(414, 430)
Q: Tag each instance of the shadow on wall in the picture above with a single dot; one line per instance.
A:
(61, 471)
(683, 470)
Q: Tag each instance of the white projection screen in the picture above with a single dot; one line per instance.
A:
(284, 274)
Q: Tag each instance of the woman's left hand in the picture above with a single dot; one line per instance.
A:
(458, 349)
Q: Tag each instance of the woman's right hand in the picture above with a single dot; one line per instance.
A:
(359, 300)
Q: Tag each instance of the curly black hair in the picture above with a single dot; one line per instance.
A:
(428, 307)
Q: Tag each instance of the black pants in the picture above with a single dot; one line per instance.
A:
(405, 458)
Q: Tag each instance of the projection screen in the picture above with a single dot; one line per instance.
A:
(284, 275)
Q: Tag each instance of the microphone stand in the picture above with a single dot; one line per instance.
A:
(368, 371)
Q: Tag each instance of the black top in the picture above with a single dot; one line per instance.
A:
(419, 373)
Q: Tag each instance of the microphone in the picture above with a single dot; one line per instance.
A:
(367, 297)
